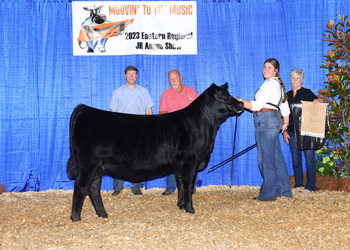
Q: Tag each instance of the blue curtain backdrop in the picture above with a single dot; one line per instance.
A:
(42, 81)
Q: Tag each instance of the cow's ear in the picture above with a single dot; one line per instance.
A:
(225, 86)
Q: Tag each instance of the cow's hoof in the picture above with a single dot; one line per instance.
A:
(180, 205)
(190, 210)
(103, 215)
(75, 219)
(103, 50)
(90, 51)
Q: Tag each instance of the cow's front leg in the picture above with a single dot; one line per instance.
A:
(188, 188)
(184, 189)
(95, 196)
(102, 45)
(180, 191)
(188, 179)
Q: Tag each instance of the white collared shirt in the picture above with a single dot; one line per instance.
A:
(271, 91)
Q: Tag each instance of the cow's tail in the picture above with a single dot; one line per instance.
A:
(72, 164)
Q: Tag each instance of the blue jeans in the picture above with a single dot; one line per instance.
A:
(310, 161)
(171, 182)
(272, 164)
(119, 185)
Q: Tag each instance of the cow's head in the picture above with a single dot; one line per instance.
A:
(225, 100)
(95, 14)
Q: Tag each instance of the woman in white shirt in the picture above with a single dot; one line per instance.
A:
(269, 98)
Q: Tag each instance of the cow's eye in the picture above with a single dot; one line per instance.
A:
(222, 96)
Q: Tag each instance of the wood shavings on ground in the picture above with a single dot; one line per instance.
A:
(225, 218)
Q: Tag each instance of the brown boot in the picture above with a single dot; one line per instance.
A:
(116, 192)
(167, 192)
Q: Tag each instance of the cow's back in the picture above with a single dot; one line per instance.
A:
(140, 132)
(137, 141)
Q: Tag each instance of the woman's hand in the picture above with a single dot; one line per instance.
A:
(319, 100)
(285, 123)
(286, 137)
(247, 104)
(284, 127)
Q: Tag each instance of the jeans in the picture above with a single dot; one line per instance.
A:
(119, 185)
(272, 164)
(171, 182)
(310, 161)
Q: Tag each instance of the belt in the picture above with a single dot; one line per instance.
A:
(264, 110)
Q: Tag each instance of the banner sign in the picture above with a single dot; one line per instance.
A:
(313, 119)
(142, 27)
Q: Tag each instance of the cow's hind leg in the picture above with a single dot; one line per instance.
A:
(95, 196)
(79, 194)
(81, 187)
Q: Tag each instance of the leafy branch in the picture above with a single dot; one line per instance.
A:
(337, 90)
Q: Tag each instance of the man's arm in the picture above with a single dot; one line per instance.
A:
(149, 111)
(163, 112)
(112, 110)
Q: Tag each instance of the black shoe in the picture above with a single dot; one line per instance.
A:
(116, 192)
(138, 192)
(271, 199)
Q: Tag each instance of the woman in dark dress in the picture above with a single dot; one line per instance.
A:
(298, 94)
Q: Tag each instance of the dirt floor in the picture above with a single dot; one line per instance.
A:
(225, 218)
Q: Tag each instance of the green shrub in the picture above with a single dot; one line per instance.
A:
(327, 163)
(334, 159)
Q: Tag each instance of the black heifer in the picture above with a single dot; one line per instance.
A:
(138, 147)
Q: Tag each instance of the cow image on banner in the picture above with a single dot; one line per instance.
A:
(96, 29)
(151, 28)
